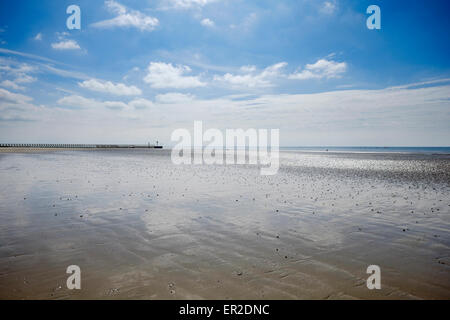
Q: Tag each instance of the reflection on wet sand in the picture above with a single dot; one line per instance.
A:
(140, 227)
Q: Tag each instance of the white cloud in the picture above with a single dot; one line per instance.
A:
(174, 97)
(207, 22)
(328, 7)
(10, 84)
(27, 55)
(18, 71)
(14, 68)
(78, 101)
(17, 107)
(248, 69)
(65, 73)
(323, 68)
(115, 105)
(140, 103)
(66, 45)
(16, 98)
(185, 4)
(166, 75)
(251, 79)
(399, 115)
(127, 18)
(119, 89)
(39, 64)
(24, 78)
(406, 115)
(38, 37)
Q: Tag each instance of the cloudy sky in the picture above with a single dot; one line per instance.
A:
(138, 69)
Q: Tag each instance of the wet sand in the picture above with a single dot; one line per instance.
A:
(140, 227)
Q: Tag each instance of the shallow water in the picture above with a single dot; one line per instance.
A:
(140, 227)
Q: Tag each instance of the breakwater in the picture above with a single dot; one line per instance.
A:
(74, 146)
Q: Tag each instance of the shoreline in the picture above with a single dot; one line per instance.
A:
(281, 149)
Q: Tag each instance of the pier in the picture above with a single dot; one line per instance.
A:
(76, 146)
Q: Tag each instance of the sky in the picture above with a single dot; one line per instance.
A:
(136, 70)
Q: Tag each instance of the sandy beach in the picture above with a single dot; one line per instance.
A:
(141, 227)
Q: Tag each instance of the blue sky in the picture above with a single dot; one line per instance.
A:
(137, 70)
